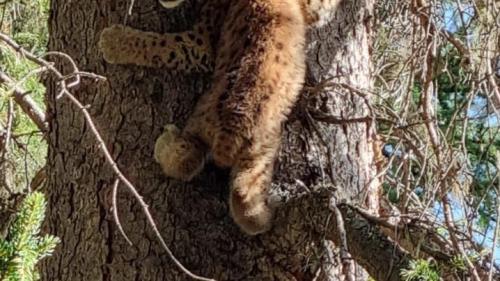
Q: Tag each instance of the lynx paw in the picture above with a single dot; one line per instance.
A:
(248, 199)
(252, 214)
(180, 157)
(112, 43)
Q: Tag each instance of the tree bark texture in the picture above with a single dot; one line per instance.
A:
(130, 110)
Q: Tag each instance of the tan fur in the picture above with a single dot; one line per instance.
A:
(319, 12)
(182, 51)
(259, 72)
(181, 156)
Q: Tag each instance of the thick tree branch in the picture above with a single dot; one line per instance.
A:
(370, 247)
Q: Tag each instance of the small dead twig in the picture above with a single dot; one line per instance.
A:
(10, 121)
(115, 212)
(129, 12)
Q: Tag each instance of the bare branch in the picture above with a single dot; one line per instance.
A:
(27, 104)
(365, 251)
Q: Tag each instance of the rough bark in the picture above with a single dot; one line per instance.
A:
(131, 109)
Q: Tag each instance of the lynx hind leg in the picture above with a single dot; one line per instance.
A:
(181, 157)
(226, 148)
(251, 178)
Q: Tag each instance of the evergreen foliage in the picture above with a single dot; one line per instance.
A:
(26, 22)
(23, 248)
(420, 270)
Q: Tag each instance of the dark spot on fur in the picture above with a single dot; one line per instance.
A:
(256, 177)
(223, 96)
(204, 60)
(248, 41)
(195, 55)
(171, 57)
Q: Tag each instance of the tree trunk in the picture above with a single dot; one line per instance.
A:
(130, 110)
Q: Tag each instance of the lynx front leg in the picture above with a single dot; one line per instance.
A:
(181, 156)
(186, 51)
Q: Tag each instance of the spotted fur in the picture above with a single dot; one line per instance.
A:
(259, 68)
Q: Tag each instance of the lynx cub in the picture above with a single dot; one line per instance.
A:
(256, 49)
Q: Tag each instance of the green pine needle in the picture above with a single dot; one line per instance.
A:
(420, 270)
(23, 249)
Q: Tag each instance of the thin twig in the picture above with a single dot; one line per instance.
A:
(114, 207)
